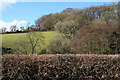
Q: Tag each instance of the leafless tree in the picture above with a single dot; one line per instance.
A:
(3, 29)
(30, 42)
(13, 27)
(22, 28)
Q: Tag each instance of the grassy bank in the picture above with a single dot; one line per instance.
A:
(9, 40)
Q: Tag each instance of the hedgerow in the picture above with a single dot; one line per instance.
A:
(60, 67)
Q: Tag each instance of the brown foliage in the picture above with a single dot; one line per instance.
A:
(60, 67)
(92, 39)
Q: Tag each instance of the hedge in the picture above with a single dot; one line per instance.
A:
(60, 67)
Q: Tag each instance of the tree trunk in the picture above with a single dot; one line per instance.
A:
(32, 50)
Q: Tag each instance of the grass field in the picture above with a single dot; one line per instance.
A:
(8, 40)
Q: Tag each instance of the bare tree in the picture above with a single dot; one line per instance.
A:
(22, 28)
(3, 29)
(34, 39)
(30, 42)
(13, 27)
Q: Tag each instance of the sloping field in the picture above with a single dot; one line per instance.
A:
(61, 67)
(8, 40)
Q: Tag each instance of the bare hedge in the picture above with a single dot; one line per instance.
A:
(60, 67)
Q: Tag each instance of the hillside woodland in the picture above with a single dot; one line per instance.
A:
(93, 30)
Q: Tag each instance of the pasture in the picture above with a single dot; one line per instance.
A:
(9, 40)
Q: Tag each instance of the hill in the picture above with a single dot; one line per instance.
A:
(9, 40)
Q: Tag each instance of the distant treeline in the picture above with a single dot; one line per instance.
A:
(20, 31)
(10, 32)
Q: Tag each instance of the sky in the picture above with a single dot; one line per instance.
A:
(22, 13)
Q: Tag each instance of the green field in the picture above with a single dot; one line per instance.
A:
(8, 40)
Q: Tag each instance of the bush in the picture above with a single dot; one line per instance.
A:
(60, 67)
(43, 51)
(59, 45)
(6, 50)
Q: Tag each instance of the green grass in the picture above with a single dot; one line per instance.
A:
(8, 40)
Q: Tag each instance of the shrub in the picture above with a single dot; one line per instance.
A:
(60, 67)
(43, 51)
(6, 50)
(59, 45)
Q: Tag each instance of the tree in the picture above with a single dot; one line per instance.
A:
(3, 29)
(92, 40)
(114, 42)
(28, 26)
(22, 28)
(46, 22)
(30, 42)
(13, 27)
(68, 28)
